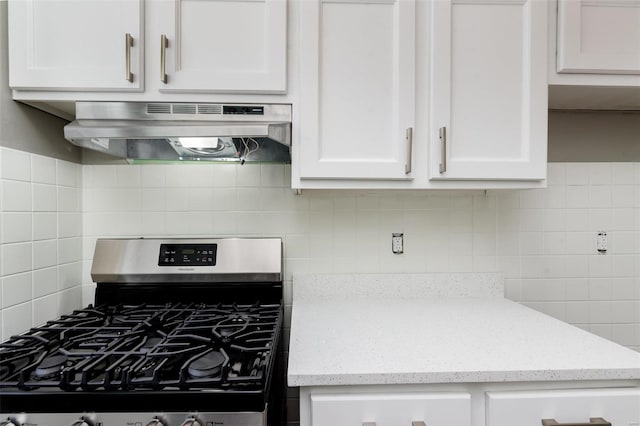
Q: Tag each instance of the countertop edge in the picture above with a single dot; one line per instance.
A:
(462, 377)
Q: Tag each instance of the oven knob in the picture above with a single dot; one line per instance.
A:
(82, 422)
(191, 421)
(10, 422)
(156, 422)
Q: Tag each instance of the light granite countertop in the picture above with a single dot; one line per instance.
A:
(436, 328)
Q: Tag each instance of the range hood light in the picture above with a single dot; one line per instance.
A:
(194, 142)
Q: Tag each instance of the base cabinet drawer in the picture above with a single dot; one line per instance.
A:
(402, 409)
(619, 407)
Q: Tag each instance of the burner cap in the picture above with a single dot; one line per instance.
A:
(5, 370)
(208, 365)
(50, 365)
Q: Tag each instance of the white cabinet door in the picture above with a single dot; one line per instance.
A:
(221, 45)
(357, 81)
(76, 45)
(617, 406)
(489, 89)
(599, 36)
(402, 409)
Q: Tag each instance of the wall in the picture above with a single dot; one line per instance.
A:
(40, 243)
(600, 136)
(543, 240)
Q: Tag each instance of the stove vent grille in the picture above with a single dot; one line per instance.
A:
(184, 108)
(209, 109)
(165, 108)
(158, 108)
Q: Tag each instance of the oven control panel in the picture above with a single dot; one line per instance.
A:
(187, 255)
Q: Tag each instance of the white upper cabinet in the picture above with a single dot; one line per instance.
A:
(221, 45)
(76, 45)
(488, 90)
(192, 46)
(357, 89)
(381, 80)
(594, 43)
(599, 36)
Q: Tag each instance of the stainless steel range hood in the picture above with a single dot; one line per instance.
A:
(184, 131)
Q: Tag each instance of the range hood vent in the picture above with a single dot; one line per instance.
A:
(184, 131)
(164, 108)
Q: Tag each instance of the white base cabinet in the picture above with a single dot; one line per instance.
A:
(473, 404)
(616, 406)
(403, 409)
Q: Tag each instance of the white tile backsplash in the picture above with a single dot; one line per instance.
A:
(45, 309)
(16, 289)
(15, 258)
(45, 198)
(45, 281)
(16, 196)
(35, 189)
(16, 227)
(43, 170)
(45, 254)
(16, 165)
(16, 319)
(543, 240)
(68, 174)
(45, 226)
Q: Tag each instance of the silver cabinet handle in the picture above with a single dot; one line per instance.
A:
(418, 424)
(369, 424)
(592, 421)
(409, 137)
(164, 42)
(128, 42)
(443, 149)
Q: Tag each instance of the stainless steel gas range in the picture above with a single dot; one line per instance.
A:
(183, 332)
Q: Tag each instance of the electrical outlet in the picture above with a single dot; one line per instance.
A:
(601, 242)
(397, 242)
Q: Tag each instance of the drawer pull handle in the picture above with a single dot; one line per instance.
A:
(369, 424)
(408, 164)
(128, 42)
(443, 149)
(164, 42)
(592, 421)
(418, 424)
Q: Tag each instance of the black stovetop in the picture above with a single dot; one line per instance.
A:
(178, 352)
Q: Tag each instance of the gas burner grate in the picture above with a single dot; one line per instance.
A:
(146, 346)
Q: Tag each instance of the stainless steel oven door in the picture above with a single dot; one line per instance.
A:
(136, 419)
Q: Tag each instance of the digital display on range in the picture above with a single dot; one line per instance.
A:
(187, 255)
